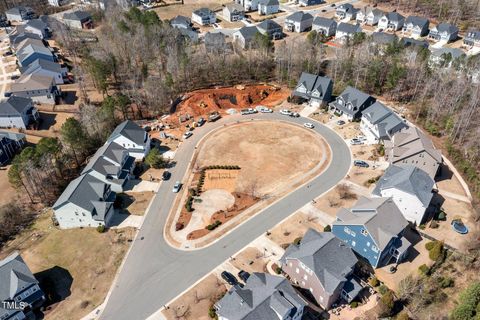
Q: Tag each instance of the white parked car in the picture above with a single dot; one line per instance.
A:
(177, 187)
(355, 141)
(263, 109)
(308, 125)
(187, 135)
(362, 138)
(286, 112)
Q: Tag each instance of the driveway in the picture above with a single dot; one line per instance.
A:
(154, 273)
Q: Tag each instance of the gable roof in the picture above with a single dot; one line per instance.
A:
(410, 141)
(38, 24)
(384, 118)
(32, 48)
(414, 42)
(326, 255)
(248, 32)
(181, 20)
(346, 7)
(454, 52)
(32, 82)
(394, 16)
(42, 64)
(203, 12)
(12, 135)
(446, 27)
(383, 37)
(409, 179)
(15, 276)
(376, 12)
(313, 82)
(348, 28)
(233, 6)
(107, 160)
(129, 130)
(77, 15)
(354, 96)
(15, 106)
(417, 21)
(18, 37)
(269, 2)
(380, 216)
(299, 16)
(269, 24)
(324, 22)
(264, 296)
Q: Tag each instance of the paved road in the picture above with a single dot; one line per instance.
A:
(155, 273)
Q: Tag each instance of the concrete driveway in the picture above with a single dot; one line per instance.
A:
(154, 273)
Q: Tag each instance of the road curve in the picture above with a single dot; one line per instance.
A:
(154, 273)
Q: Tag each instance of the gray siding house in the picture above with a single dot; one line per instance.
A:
(472, 38)
(18, 286)
(132, 137)
(323, 265)
(299, 22)
(271, 28)
(233, 12)
(19, 14)
(380, 122)
(17, 112)
(78, 20)
(36, 26)
(267, 7)
(264, 296)
(181, 22)
(316, 89)
(416, 26)
(351, 103)
(325, 26)
(346, 11)
(47, 68)
(245, 36)
(346, 31)
(204, 17)
(39, 88)
(444, 32)
(392, 21)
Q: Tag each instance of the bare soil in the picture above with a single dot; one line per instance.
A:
(330, 202)
(221, 179)
(8, 192)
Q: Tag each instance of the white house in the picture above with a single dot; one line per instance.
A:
(266, 7)
(391, 21)
(369, 15)
(410, 188)
(46, 68)
(86, 202)
(39, 88)
(249, 5)
(347, 31)
(416, 26)
(446, 32)
(346, 11)
(17, 112)
(133, 138)
(380, 122)
(233, 12)
(299, 22)
(204, 17)
(325, 26)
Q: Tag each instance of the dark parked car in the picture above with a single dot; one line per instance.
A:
(166, 175)
(361, 163)
(229, 278)
(244, 275)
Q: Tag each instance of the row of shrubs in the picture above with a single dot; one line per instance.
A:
(213, 226)
(188, 204)
(224, 167)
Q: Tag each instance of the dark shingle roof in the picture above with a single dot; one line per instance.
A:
(248, 32)
(269, 25)
(324, 22)
(130, 130)
(383, 38)
(446, 27)
(77, 15)
(14, 106)
(347, 27)
(417, 21)
(299, 16)
(203, 12)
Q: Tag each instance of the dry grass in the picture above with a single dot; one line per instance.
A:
(8, 192)
(221, 179)
(251, 260)
(294, 227)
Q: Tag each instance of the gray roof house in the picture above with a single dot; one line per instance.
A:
(315, 88)
(410, 146)
(39, 88)
(204, 16)
(347, 31)
(215, 42)
(346, 11)
(392, 21)
(86, 202)
(270, 28)
(351, 103)
(30, 50)
(10, 144)
(78, 19)
(324, 265)
(46, 68)
(189, 34)
(368, 15)
(18, 286)
(233, 12)
(299, 22)
(410, 42)
(472, 38)
(267, 7)
(111, 164)
(444, 57)
(383, 38)
(416, 26)
(409, 187)
(132, 137)
(20, 13)
(380, 122)
(18, 37)
(36, 26)
(244, 36)
(264, 296)
(444, 32)
(306, 3)
(181, 22)
(374, 229)
(17, 112)
(325, 26)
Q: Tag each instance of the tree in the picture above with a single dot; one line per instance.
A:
(73, 134)
(154, 159)
(468, 302)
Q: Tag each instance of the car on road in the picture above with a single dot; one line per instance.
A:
(360, 163)
(248, 111)
(295, 115)
(201, 122)
(355, 142)
(187, 135)
(286, 112)
(308, 125)
(244, 275)
(263, 109)
(214, 116)
(340, 122)
(362, 138)
(166, 175)
(229, 278)
(7, 94)
(177, 186)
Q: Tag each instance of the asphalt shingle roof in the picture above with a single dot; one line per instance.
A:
(383, 38)
(299, 16)
(446, 27)
(411, 141)
(394, 16)
(347, 27)
(203, 12)
(42, 64)
(324, 22)
(384, 118)
(417, 21)
(130, 130)
(248, 32)
(313, 82)
(29, 82)
(77, 16)
(269, 24)
(14, 106)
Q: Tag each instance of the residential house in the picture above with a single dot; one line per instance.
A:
(380, 123)
(270, 28)
(204, 17)
(306, 3)
(267, 7)
(323, 265)
(249, 5)
(472, 38)
(189, 34)
(47, 68)
(264, 296)
(39, 88)
(35, 26)
(374, 229)
(181, 22)
(351, 102)
(86, 202)
(392, 21)
(416, 26)
(18, 287)
(346, 31)
(444, 57)
(215, 42)
(17, 112)
(17, 38)
(444, 32)
(411, 146)
(111, 164)
(245, 36)
(316, 89)
(409, 187)
(78, 19)
(10, 144)
(299, 22)
(20, 14)
(346, 11)
(58, 3)
(370, 16)
(325, 26)
(233, 12)
(3, 21)
(410, 42)
(132, 137)
(383, 38)
(30, 50)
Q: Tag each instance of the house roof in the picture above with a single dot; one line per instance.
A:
(313, 82)
(383, 38)
(454, 52)
(269, 24)
(15, 276)
(376, 12)
(18, 10)
(269, 2)
(473, 35)
(299, 16)
(417, 21)
(107, 160)
(446, 27)
(348, 28)
(346, 6)
(324, 22)
(77, 15)
(380, 216)
(32, 82)
(38, 24)
(18, 37)
(410, 141)
(214, 38)
(181, 20)
(41, 64)
(264, 296)
(326, 255)
(32, 48)
(384, 118)
(354, 96)
(15, 106)
(248, 32)
(129, 130)
(414, 42)
(203, 12)
(12, 135)
(394, 16)
(87, 192)
(234, 7)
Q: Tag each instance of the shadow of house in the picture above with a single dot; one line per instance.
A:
(434, 208)
(56, 283)
(444, 173)
(48, 120)
(68, 97)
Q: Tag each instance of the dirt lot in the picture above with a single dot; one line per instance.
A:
(8, 192)
(251, 260)
(194, 304)
(176, 8)
(221, 179)
(137, 202)
(294, 227)
(361, 176)
(84, 260)
(271, 154)
(331, 202)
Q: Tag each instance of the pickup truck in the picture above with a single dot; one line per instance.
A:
(214, 116)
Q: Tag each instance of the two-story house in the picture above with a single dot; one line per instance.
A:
(411, 146)
(306, 3)
(31, 50)
(78, 19)
(444, 32)
(39, 88)
(46, 68)
(410, 188)
(346, 31)
(316, 89)
(270, 28)
(181, 22)
(350, 103)
(323, 265)
(346, 11)
(86, 202)
(325, 26)
(132, 137)
(380, 123)
(233, 12)
(368, 15)
(416, 26)
(299, 22)
(245, 36)
(10, 144)
(267, 7)
(392, 21)
(264, 296)
(472, 38)
(249, 5)
(20, 14)
(20, 293)
(17, 112)
(374, 229)
(204, 17)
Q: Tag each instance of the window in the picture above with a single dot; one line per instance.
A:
(368, 244)
(374, 249)
(364, 232)
(350, 232)
(353, 243)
